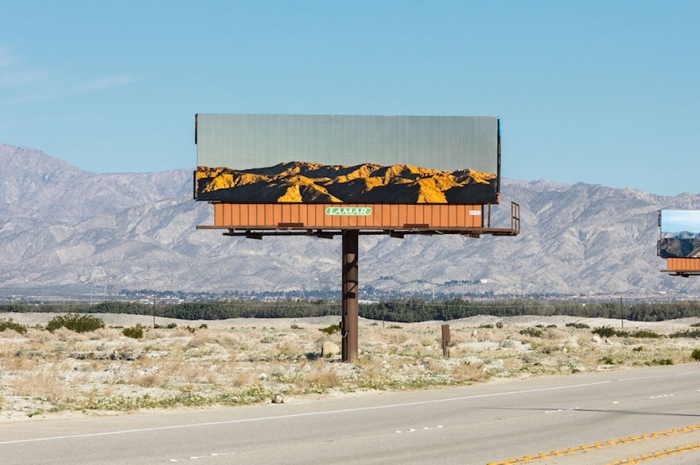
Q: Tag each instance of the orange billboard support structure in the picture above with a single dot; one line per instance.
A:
(255, 221)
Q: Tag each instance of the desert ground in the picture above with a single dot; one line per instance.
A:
(201, 364)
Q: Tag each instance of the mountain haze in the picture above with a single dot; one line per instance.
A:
(64, 230)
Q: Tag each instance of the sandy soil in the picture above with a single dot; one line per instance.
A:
(199, 364)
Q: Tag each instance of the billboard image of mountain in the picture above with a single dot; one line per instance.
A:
(302, 182)
(680, 234)
(347, 159)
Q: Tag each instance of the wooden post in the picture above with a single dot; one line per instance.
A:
(350, 305)
(446, 341)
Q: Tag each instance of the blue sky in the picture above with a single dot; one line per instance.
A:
(675, 221)
(602, 92)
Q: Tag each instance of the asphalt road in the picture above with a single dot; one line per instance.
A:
(578, 419)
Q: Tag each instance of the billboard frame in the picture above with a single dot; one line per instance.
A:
(398, 226)
(461, 155)
(677, 266)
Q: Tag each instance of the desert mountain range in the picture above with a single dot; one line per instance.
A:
(298, 181)
(63, 230)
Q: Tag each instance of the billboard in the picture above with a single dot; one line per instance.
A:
(680, 234)
(336, 159)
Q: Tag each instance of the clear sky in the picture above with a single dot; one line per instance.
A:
(603, 92)
(674, 221)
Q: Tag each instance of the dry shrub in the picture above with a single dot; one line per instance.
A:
(227, 341)
(193, 373)
(104, 334)
(148, 380)
(513, 364)
(41, 337)
(172, 365)
(200, 339)
(545, 346)
(11, 334)
(555, 334)
(396, 336)
(212, 376)
(465, 372)
(182, 331)
(456, 337)
(21, 361)
(322, 376)
(81, 379)
(146, 362)
(44, 385)
(242, 379)
(150, 334)
(289, 348)
(66, 335)
(370, 366)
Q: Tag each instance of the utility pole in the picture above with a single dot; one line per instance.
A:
(622, 321)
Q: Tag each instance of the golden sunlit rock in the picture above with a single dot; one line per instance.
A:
(301, 182)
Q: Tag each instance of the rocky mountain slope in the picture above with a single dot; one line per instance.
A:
(64, 230)
(36, 186)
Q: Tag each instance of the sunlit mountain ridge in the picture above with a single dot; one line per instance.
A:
(303, 182)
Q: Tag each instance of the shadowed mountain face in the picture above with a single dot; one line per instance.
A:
(301, 182)
(679, 248)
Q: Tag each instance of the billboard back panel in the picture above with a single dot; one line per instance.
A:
(347, 159)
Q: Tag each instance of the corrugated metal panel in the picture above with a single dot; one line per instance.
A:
(313, 216)
(684, 264)
(445, 143)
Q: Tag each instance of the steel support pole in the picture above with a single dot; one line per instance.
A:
(349, 323)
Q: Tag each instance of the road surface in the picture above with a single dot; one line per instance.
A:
(586, 419)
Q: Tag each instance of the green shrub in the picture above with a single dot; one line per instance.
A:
(662, 361)
(694, 334)
(607, 360)
(532, 332)
(75, 322)
(607, 331)
(486, 326)
(577, 325)
(695, 355)
(9, 324)
(645, 333)
(499, 325)
(134, 333)
(332, 329)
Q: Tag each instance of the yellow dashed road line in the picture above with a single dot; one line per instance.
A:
(656, 455)
(613, 442)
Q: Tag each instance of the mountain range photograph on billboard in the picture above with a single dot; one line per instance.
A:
(680, 234)
(336, 159)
